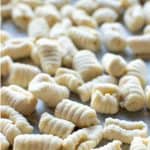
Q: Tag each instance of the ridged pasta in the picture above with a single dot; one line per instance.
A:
(123, 130)
(17, 48)
(103, 15)
(9, 130)
(22, 14)
(114, 65)
(114, 38)
(85, 90)
(146, 9)
(49, 124)
(80, 18)
(140, 45)
(40, 26)
(87, 145)
(4, 36)
(134, 18)
(139, 143)
(86, 63)
(38, 141)
(45, 88)
(5, 64)
(75, 139)
(85, 38)
(70, 80)
(147, 94)
(18, 98)
(4, 144)
(106, 104)
(22, 74)
(69, 50)
(132, 93)
(114, 145)
(50, 55)
(49, 12)
(19, 120)
(138, 68)
(81, 115)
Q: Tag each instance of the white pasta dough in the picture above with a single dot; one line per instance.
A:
(147, 11)
(4, 144)
(51, 125)
(86, 63)
(81, 115)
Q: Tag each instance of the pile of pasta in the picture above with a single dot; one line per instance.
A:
(57, 59)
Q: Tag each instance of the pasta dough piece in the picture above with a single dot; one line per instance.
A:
(86, 63)
(22, 14)
(38, 27)
(38, 141)
(50, 55)
(124, 130)
(73, 140)
(103, 15)
(80, 18)
(138, 68)
(49, 12)
(69, 50)
(4, 36)
(18, 98)
(134, 18)
(114, 145)
(85, 38)
(140, 45)
(22, 74)
(5, 64)
(20, 121)
(70, 80)
(147, 29)
(114, 65)
(106, 104)
(87, 145)
(132, 93)
(85, 90)
(81, 115)
(17, 48)
(4, 144)
(114, 38)
(9, 130)
(139, 143)
(89, 6)
(147, 93)
(44, 87)
(147, 11)
(59, 127)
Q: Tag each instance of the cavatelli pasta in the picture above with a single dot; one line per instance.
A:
(87, 145)
(85, 90)
(49, 124)
(114, 65)
(85, 38)
(20, 121)
(22, 74)
(86, 63)
(38, 141)
(147, 94)
(45, 88)
(4, 144)
(50, 55)
(124, 130)
(132, 93)
(18, 98)
(81, 115)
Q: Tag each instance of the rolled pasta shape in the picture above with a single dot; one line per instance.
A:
(132, 93)
(81, 115)
(146, 12)
(3, 142)
(125, 131)
(147, 93)
(18, 98)
(22, 74)
(49, 124)
(87, 145)
(45, 88)
(86, 63)
(114, 65)
(85, 38)
(41, 142)
(17, 119)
